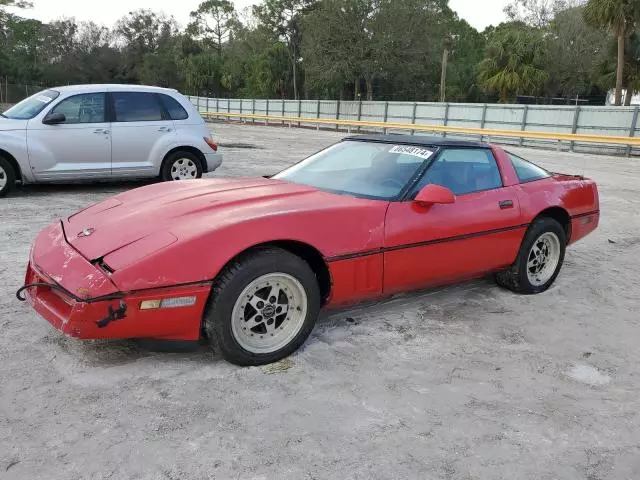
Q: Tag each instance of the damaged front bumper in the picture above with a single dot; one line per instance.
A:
(79, 299)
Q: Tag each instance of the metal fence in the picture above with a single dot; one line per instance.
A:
(597, 120)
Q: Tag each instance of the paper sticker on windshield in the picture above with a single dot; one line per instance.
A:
(43, 99)
(412, 150)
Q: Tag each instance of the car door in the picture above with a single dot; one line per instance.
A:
(76, 148)
(437, 244)
(140, 129)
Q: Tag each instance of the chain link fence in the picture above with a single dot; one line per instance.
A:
(11, 93)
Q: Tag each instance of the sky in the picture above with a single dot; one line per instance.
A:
(479, 13)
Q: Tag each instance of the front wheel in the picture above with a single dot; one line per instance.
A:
(263, 307)
(7, 176)
(181, 165)
(539, 260)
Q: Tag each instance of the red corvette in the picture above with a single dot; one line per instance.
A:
(250, 262)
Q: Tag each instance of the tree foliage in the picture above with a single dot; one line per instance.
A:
(16, 3)
(514, 61)
(213, 21)
(283, 18)
(574, 51)
(349, 49)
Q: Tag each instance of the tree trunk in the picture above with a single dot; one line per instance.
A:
(620, 70)
(628, 93)
(356, 89)
(305, 86)
(369, 82)
(504, 96)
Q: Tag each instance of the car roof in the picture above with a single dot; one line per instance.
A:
(426, 140)
(110, 87)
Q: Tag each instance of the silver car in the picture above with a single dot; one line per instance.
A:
(104, 132)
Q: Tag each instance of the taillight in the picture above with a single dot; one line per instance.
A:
(211, 143)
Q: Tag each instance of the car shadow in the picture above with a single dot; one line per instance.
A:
(353, 313)
(108, 353)
(112, 353)
(108, 187)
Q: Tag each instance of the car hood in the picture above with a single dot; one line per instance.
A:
(7, 124)
(153, 217)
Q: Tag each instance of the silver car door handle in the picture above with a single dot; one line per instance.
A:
(164, 129)
(99, 130)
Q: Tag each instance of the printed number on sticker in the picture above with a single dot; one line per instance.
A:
(411, 150)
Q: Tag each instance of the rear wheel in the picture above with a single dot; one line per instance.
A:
(539, 260)
(263, 307)
(181, 165)
(7, 176)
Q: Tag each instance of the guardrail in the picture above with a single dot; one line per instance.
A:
(413, 127)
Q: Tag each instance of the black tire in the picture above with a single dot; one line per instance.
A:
(171, 161)
(7, 176)
(516, 278)
(234, 279)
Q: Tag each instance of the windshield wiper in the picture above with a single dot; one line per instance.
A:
(3, 115)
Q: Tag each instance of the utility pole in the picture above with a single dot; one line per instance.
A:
(446, 46)
(443, 73)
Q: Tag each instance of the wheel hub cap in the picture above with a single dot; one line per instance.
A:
(3, 178)
(269, 313)
(184, 169)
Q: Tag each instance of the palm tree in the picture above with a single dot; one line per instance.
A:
(514, 61)
(619, 16)
(605, 69)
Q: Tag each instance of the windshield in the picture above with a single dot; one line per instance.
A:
(364, 169)
(32, 106)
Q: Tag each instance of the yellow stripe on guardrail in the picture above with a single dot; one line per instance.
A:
(567, 137)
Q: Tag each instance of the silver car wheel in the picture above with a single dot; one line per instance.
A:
(184, 169)
(3, 178)
(543, 259)
(269, 313)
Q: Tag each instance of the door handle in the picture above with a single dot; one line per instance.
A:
(503, 204)
(99, 130)
(164, 129)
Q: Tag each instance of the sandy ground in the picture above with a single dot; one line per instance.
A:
(469, 382)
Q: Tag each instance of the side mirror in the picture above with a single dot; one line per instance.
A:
(54, 119)
(432, 194)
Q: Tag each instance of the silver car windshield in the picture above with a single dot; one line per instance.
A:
(364, 169)
(32, 106)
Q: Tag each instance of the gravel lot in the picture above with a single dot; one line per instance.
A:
(468, 382)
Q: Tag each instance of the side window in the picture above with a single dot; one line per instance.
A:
(176, 111)
(85, 108)
(527, 171)
(136, 107)
(463, 170)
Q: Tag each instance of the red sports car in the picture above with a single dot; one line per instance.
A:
(250, 262)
